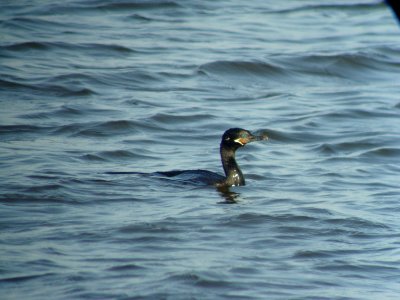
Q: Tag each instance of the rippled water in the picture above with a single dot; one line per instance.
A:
(89, 87)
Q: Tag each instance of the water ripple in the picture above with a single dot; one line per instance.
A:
(100, 98)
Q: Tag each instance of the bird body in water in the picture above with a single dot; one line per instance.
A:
(232, 140)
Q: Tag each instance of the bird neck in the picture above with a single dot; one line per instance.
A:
(234, 175)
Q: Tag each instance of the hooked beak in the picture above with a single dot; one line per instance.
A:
(251, 138)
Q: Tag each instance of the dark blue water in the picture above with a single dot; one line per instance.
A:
(89, 87)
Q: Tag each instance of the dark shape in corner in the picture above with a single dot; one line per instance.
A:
(395, 5)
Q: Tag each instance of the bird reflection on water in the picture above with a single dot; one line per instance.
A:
(229, 196)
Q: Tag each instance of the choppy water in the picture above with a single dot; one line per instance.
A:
(89, 87)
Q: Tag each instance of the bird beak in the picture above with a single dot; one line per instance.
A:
(252, 138)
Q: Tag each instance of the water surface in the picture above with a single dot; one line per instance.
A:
(89, 87)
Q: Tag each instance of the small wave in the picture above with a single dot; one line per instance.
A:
(15, 129)
(116, 125)
(356, 224)
(26, 46)
(84, 7)
(47, 89)
(43, 188)
(125, 268)
(295, 136)
(81, 92)
(67, 111)
(88, 48)
(250, 219)
(140, 17)
(40, 197)
(12, 84)
(242, 69)
(20, 279)
(63, 91)
(121, 154)
(157, 228)
(165, 118)
(92, 157)
(329, 6)
(74, 80)
(139, 5)
(30, 24)
(312, 254)
(354, 66)
(382, 152)
(67, 129)
(134, 79)
(326, 149)
(357, 113)
(203, 279)
(103, 49)
(22, 132)
(98, 129)
(344, 147)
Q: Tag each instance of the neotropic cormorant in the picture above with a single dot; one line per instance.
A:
(232, 140)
